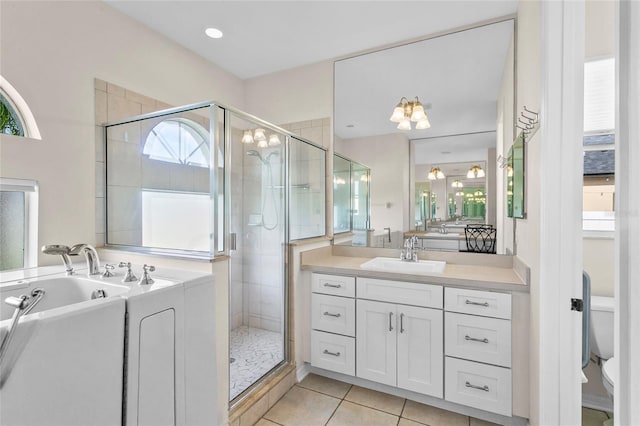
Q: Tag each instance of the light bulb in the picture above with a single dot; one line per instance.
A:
(247, 138)
(423, 124)
(258, 135)
(405, 124)
(274, 140)
(398, 113)
(418, 112)
(262, 143)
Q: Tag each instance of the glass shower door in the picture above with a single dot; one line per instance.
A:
(257, 223)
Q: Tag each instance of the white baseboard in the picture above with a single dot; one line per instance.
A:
(597, 402)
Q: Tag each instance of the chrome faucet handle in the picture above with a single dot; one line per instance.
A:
(129, 277)
(108, 267)
(146, 279)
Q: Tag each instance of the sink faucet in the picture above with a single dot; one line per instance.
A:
(410, 254)
(443, 229)
(90, 253)
(62, 251)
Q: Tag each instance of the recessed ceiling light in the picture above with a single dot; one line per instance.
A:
(446, 152)
(213, 32)
(351, 125)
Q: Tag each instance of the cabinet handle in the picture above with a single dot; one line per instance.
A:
(390, 316)
(469, 302)
(329, 314)
(331, 353)
(401, 323)
(482, 388)
(485, 340)
(332, 285)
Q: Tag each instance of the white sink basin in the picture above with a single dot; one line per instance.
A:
(391, 264)
(439, 235)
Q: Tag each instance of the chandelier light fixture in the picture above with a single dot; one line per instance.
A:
(258, 136)
(457, 184)
(435, 173)
(407, 111)
(459, 194)
(475, 172)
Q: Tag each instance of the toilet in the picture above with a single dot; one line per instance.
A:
(601, 338)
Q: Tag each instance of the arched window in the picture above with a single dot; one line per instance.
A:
(180, 141)
(15, 116)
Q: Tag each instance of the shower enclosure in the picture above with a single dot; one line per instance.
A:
(208, 181)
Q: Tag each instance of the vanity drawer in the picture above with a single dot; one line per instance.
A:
(478, 385)
(478, 338)
(333, 314)
(337, 285)
(427, 295)
(475, 302)
(333, 352)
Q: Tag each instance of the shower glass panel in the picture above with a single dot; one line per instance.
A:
(307, 190)
(160, 167)
(257, 223)
(360, 177)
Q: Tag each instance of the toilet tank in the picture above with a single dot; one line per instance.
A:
(602, 326)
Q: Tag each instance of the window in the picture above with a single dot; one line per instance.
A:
(180, 141)
(599, 146)
(18, 223)
(15, 116)
(10, 121)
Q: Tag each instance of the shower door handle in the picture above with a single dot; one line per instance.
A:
(232, 241)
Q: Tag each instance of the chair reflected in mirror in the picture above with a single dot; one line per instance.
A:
(480, 238)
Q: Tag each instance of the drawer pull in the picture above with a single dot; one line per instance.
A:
(482, 388)
(485, 340)
(326, 352)
(469, 302)
(332, 285)
(390, 316)
(329, 314)
(401, 323)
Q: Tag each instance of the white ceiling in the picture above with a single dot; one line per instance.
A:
(262, 37)
(459, 74)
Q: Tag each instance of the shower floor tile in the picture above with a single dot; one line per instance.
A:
(254, 352)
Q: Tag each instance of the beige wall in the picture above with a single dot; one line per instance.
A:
(51, 53)
(598, 258)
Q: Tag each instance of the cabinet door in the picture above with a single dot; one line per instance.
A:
(420, 354)
(376, 341)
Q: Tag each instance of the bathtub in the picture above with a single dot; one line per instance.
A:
(64, 363)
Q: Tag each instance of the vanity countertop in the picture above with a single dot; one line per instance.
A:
(503, 274)
(450, 235)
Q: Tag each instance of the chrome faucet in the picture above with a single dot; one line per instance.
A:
(443, 229)
(63, 251)
(410, 252)
(90, 253)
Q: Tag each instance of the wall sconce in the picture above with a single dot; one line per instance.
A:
(475, 172)
(407, 111)
(457, 184)
(435, 173)
(259, 137)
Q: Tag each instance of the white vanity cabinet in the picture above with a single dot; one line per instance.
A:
(400, 345)
(399, 334)
(333, 320)
(478, 349)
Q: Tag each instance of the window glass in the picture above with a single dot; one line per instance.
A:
(10, 122)
(598, 194)
(179, 141)
(12, 229)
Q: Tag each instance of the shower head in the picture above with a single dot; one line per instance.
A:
(271, 154)
(254, 153)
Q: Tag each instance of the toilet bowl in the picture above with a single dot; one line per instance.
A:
(601, 338)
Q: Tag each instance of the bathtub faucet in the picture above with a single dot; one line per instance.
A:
(60, 250)
(90, 253)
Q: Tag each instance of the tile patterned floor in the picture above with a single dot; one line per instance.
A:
(255, 351)
(321, 401)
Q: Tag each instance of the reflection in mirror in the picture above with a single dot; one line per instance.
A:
(515, 179)
(351, 198)
(465, 80)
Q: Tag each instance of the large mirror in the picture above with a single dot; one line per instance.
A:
(464, 81)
